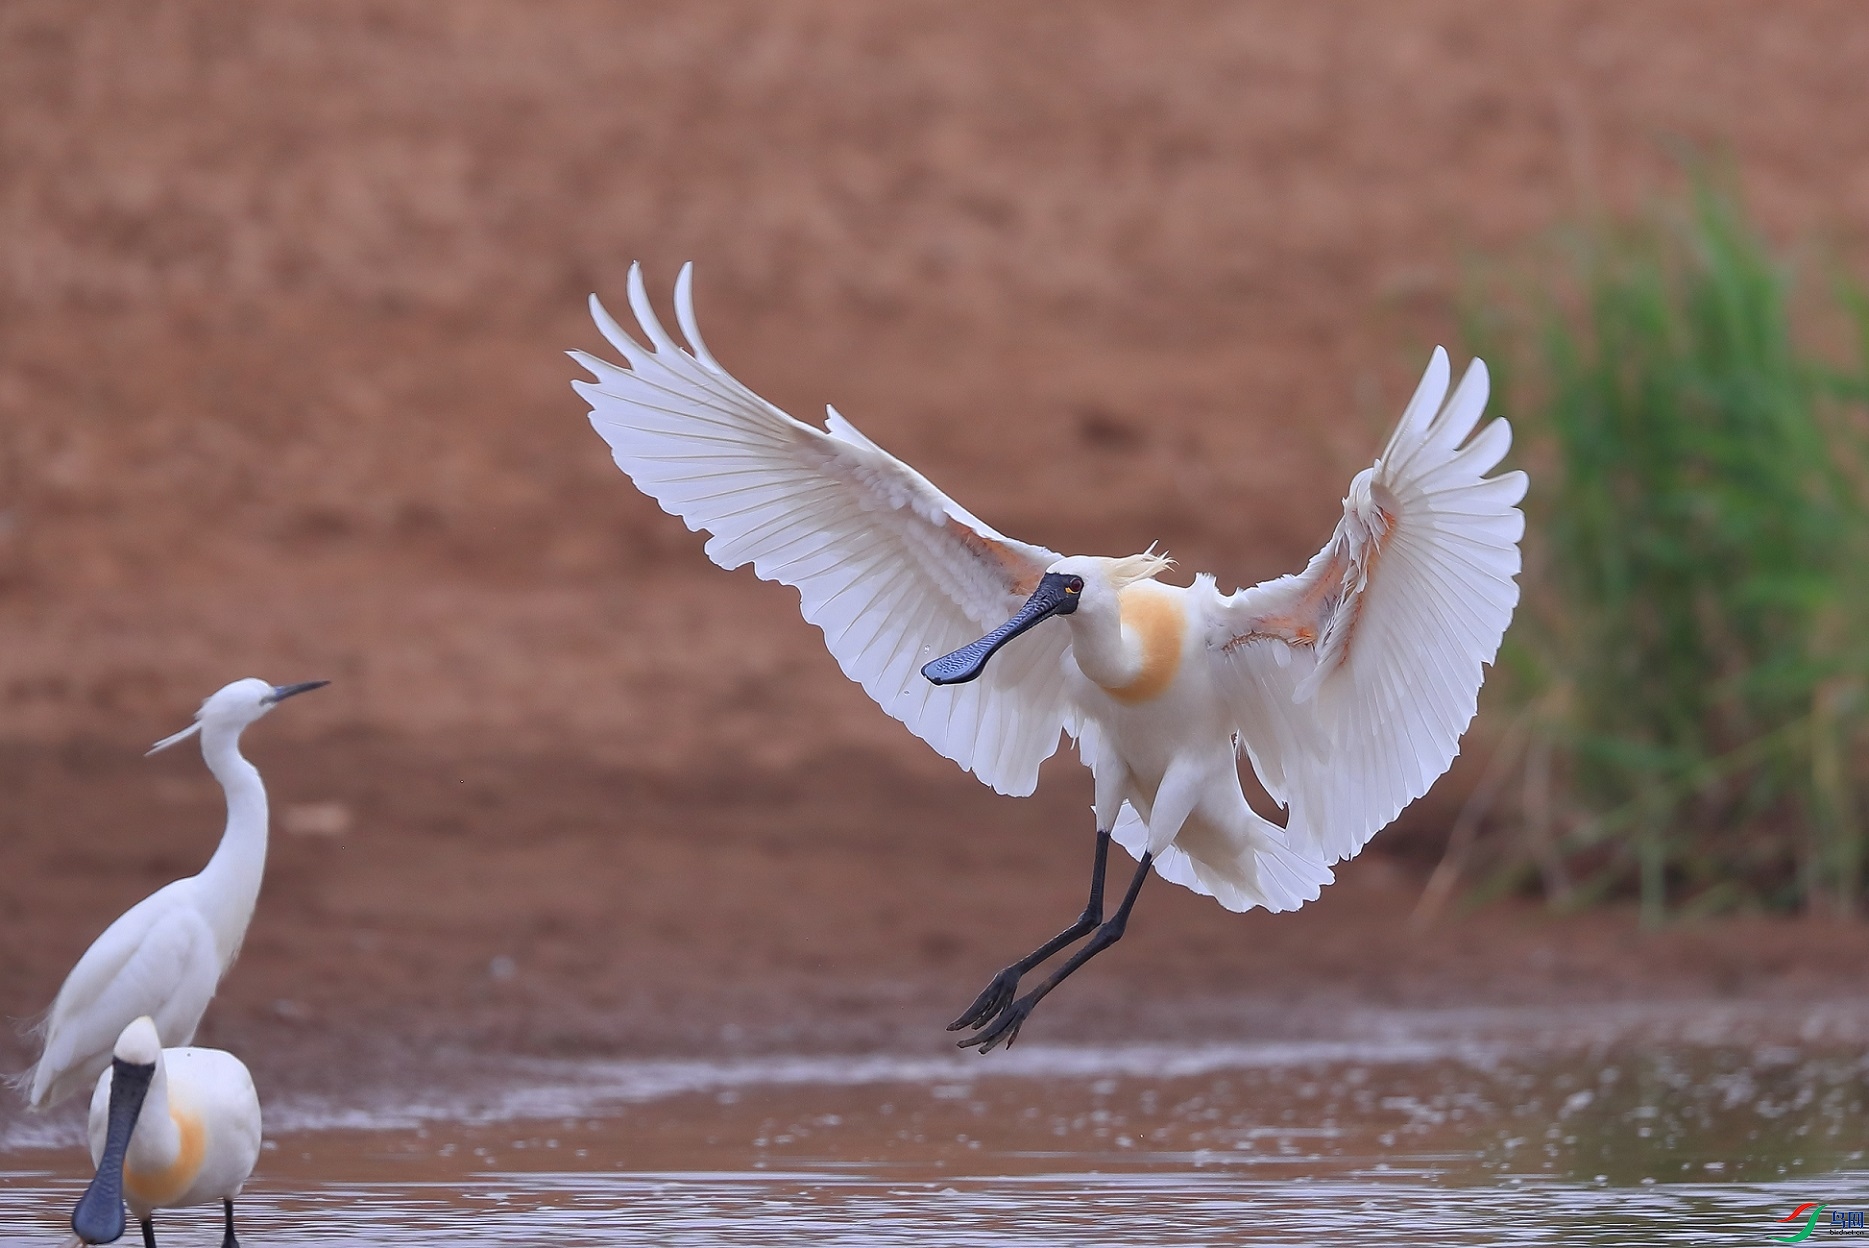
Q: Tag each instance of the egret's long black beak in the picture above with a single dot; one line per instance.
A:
(282, 692)
(98, 1217)
(1057, 594)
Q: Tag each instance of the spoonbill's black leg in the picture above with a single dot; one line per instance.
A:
(149, 1232)
(228, 1240)
(998, 994)
(1005, 1028)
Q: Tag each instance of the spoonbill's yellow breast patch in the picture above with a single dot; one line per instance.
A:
(1154, 618)
(156, 1188)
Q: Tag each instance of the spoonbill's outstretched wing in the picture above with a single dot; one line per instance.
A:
(894, 571)
(157, 959)
(1353, 680)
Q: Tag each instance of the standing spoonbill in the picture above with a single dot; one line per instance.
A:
(165, 955)
(170, 1128)
(1347, 686)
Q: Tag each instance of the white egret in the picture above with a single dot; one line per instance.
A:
(1347, 686)
(170, 1128)
(165, 955)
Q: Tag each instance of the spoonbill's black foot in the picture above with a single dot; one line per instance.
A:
(1003, 1029)
(998, 996)
(994, 1000)
(228, 1240)
(149, 1233)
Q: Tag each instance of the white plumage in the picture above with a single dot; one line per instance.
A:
(1347, 685)
(1406, 602)
(889, 567)
(164, 957)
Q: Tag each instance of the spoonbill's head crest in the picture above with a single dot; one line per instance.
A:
(237, 705)
(139, 1044)
(1103, 578)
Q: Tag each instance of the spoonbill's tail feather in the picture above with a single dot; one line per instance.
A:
(1353, 681)
(1250, 864)
(892, 570)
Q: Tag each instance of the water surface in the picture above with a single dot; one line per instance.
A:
(1413, 1139)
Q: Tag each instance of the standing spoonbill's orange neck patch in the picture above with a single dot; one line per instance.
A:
(1157, 623)
(157, 1188)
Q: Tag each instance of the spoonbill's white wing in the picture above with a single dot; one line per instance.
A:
(894, 571)
(157, 959)
(1353, 680)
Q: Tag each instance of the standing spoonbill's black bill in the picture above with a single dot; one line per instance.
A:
(165, 955)
(170, 1128)
(1347, 686)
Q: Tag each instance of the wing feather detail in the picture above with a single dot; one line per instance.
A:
(157, 958)
(1352, 682)
(891, 570)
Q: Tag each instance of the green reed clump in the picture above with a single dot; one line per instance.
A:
(1693, 643)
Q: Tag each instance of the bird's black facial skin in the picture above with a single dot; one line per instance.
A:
(282, 692)
(99, 1219)
(1058, 593)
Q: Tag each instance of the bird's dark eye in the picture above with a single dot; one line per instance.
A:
(1074, 586)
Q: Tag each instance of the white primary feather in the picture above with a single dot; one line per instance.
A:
(893, 571)
(1354, 680)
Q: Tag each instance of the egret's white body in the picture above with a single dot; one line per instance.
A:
(1347, 686)
(164, 957)
(196, 1138)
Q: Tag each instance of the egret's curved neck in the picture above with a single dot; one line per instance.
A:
(232, 877)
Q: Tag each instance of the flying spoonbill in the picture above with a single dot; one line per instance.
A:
(165, 955)
(170, 1128)
(1347, 686)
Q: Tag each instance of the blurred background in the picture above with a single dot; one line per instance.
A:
(284, 292)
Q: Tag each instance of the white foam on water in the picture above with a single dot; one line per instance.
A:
(1479, 1039)
(559, 1089)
